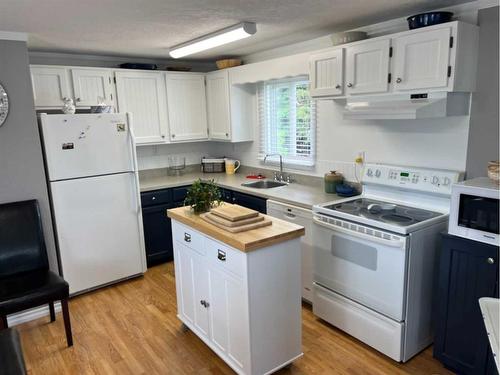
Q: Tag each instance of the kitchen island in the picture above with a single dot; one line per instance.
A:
(240, 292)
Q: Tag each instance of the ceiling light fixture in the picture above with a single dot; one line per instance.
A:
(218, 38)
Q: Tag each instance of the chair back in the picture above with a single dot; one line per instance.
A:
(22, 245)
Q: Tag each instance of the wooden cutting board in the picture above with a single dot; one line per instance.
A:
(241, 228)
(229, 223)
(233, 212)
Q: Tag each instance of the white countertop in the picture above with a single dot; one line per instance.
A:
(296, 193)
(490, 307)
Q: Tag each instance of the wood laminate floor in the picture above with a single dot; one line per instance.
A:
(132, 328)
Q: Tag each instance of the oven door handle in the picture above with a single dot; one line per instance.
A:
(392, 243)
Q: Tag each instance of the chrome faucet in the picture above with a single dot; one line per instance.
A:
(281, 176)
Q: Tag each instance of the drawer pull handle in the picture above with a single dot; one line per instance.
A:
(204, 303)
(221, 255)
(491, 261)
(187, 237)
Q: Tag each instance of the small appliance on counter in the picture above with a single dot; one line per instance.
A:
(332, 179)
(213, 165)
(474, 210)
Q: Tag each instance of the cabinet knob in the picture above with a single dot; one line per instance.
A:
(153, 198)
(173, 135)
(227, 134)
(78, 99)
(338, 87)
(163, 136)
(187, 237)
(490, 260)
(349, 84)
(399, 80)
(204, 303)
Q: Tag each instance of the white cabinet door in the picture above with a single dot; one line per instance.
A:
(91, 84)
(143, 94)
(218, 105)
(229, 316)
(421, 60)
(367, 67)
(187, 113)
(202, 302)
(50, 85)
(192, 278)
(327, 73)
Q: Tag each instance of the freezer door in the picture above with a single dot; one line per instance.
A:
(99, 230)
(86, 145)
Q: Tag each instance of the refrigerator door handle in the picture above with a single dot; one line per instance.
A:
(135, 167)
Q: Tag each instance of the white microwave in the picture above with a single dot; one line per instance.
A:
(474, 210)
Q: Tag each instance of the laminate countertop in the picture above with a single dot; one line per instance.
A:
(278, 231)
(296, 193)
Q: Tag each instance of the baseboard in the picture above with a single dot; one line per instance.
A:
(31, 314)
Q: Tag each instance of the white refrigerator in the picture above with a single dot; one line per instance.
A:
(93, 181)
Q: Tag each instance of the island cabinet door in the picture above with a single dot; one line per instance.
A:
(192, 288)
(229, 317)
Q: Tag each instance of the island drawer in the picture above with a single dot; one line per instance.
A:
(225, 257)
(188, 237)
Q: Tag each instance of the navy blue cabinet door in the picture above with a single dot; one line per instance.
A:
(157, 234)
(250, 201)
(467, 271)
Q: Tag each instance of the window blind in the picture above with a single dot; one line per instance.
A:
(287, 121)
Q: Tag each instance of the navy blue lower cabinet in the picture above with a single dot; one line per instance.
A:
(250, 201)
(467, 271)
(157, 234)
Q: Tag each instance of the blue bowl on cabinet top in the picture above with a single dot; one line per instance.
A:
(428, 19)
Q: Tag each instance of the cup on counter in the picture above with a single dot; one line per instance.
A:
(232, 165)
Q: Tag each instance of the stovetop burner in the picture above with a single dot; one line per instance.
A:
(383, 211)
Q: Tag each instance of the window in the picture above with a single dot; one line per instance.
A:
(287, 121)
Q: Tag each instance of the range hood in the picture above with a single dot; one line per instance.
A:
(407, 106)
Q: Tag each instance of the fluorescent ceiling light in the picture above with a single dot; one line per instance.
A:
(218, 38)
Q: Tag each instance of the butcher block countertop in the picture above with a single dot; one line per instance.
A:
(278, 231)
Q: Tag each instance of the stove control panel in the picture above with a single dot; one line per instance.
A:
(428, 180)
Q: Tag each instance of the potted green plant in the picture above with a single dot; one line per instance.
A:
(202, 196)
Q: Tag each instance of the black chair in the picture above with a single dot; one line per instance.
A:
(11, 353)
(25, 278)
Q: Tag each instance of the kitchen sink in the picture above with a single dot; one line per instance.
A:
(264, 184)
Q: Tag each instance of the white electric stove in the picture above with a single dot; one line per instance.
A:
(375, 256)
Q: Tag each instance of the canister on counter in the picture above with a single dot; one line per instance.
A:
(332, 179)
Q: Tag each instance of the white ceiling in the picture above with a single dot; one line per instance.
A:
(148, 28)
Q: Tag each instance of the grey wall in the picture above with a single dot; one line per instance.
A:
(483, 130)
(22, 174)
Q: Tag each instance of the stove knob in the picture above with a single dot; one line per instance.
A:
(378, 173)
(435, 180)
(369, 173)
(446, 181)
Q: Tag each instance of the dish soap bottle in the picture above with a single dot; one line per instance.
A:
(332, 179)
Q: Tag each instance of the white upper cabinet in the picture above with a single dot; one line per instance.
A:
(421, 60)
(327, 73)
(367, 67)
(431, 59)
(50, 85)
(91, 84)
(143, 94)
(186, 102)
(218, 105)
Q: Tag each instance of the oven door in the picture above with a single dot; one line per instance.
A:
(364, 264)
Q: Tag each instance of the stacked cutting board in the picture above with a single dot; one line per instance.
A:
(234, 218)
